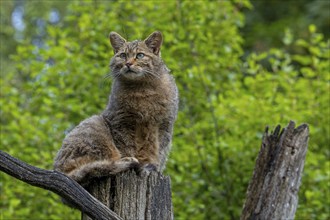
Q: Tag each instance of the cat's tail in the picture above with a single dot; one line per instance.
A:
(84, 174)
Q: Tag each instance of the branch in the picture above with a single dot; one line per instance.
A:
(57, 183)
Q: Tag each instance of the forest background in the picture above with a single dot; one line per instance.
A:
(240, 66)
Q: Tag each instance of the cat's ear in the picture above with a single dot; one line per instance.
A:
(116, 41)
(154, 41)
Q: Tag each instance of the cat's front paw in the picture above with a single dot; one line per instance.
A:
(127, 163)
(146, 169)
(129, 159)
(149, 167)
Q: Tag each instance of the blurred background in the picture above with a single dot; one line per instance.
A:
(240, 66)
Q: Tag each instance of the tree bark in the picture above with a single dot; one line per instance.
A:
(57, 183)
(144, 196)
(273, 190)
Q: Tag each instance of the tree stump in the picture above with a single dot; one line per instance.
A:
(273, 190)
(145, 196)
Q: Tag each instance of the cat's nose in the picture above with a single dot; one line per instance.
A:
(129, 64)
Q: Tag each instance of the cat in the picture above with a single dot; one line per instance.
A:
(135, 129)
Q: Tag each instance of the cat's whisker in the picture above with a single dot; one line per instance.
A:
(104, 80)
(107, 76)
(151, 74)
(114, 74)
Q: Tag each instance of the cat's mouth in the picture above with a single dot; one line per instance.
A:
(131, 73)
(128, 69)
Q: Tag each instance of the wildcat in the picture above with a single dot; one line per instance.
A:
(135, 129)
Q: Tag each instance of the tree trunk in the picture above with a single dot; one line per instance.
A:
(273, 190)
(144, 196)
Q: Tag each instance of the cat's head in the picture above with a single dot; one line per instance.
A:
(138, 59)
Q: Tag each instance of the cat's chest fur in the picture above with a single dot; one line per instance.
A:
(136, 115)
(146, 105)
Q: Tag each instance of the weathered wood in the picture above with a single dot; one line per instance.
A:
(57, 183)
(144, 196)
(273, 190)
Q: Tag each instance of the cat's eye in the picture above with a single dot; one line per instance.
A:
(139, 55)
(122, 55)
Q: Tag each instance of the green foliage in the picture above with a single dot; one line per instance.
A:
(265, 24)
(225, 103)
(35, 17)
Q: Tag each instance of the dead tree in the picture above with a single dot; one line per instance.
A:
(273, 189)
(272, 192)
